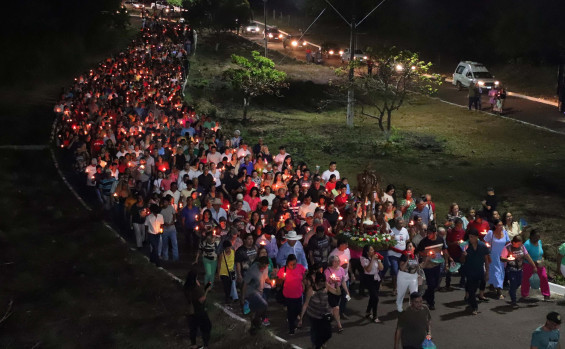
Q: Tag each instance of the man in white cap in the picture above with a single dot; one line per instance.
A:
(236, 139)
(292, 246)
(217, 211)
(245, 206)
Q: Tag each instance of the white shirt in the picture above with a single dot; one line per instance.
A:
(215, 158)
(280, 159)
(374, 268)
(241, 153)
(154, 223)
(401, 236)
(193, 174)
(269, 198)
(176, 197)
(217, 214)
(304, 209)
(327, 174)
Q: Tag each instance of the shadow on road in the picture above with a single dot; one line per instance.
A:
(454, 315)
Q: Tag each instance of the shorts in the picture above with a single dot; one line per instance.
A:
(333, 300)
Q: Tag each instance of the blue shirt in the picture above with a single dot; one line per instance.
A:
(424, 214)
(297, 250)
(543, 339)
(536, 252)
(190, 216)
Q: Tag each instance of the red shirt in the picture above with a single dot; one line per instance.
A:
(341, 200)
(454, 236)
(481, 227)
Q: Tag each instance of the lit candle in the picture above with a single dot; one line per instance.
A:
(273, 283)
(484, 232)
(411, 223)
(511, 258)
(487, 244)
(262, 243)
(196, 217)
(161, 230)
(333, 277)
(340, 218)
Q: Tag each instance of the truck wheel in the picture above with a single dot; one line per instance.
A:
(459, 86)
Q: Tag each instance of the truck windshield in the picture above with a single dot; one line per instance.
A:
(483, 75)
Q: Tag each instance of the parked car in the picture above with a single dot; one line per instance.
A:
(331, 49)
(357, 55)
(251, 28)
(134, 4)
(164, 5)
(273, 34)
(468, 72)
(294, 42)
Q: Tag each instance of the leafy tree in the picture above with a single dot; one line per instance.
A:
(394, 75)
(217, 15)
(255, 77)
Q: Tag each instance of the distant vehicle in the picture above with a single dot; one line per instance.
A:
(468, 72)
(331, 49)
(273, 34)
(358, 55)
(251, 28)
(134, 4)
(164, 5)
(294, 42)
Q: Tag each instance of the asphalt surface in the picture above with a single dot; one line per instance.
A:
(523, 110)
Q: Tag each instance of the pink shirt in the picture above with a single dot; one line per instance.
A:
(292, 281)
(334, 276)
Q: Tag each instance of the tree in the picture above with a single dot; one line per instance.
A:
(255, 77)
(395, 75)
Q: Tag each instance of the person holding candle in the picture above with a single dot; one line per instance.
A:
(535, 250)
(497, 240)
(407, 275)
(318, 310)
(336, 278)
(292, 246)
(514, 254)
(154, 228)
(371, 261)
(292, 275)
(431, 248)
(407, 204)
(254, 283)
(455, 237)
(476, 258)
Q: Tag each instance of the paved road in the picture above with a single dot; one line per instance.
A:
(524, 110)
(497, 325)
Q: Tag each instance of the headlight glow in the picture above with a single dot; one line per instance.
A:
(497, 82)
(481, 83)
(331, 52)
(340, 52)
(270, 35)
(399, 67)
(280, 36)
(294, 43)
(365, 57)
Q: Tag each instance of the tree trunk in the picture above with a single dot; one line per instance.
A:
(350, 107)
(246, 101)
(388, 119)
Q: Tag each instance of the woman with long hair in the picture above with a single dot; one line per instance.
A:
(372, 265)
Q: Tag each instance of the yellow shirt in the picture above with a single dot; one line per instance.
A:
(222, 262)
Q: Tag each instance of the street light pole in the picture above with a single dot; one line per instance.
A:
(265, 30)
(350, 90)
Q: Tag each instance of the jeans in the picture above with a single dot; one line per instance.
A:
(528, 271)
(473, 101)
(373, 286)
(154, 242)
(405, 281)
(139, 232)
(202, 322)
(432, 280)
(473, 283)
(293, 309)
(209, 269)
(515, 279)
(393, 261)
(170, 234)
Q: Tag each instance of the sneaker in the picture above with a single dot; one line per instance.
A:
(431, 307)
(546, 298)
(514, 305)
(291, 333)
(474, 312)
(266, 322)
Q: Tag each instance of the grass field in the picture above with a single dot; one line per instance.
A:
(447, 151)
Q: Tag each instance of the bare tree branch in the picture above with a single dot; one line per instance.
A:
(8, 312)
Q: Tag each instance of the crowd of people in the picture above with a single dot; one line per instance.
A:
(263, 225)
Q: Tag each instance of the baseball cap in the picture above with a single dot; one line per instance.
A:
(309, 214)
(554, 317)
